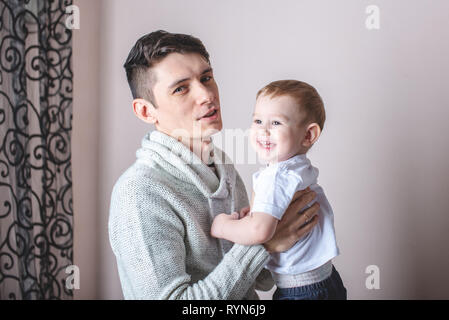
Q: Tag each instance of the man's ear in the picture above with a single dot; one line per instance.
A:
(145, 110)
(312, 134)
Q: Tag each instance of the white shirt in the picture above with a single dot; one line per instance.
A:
(274, 187)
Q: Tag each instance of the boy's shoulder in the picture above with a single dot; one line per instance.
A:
(296, 164)
(277, 175)
(298, 168)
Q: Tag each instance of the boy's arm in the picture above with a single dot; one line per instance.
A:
(255, 228)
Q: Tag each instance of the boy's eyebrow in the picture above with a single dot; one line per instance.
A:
(174, 84)
(276, 116)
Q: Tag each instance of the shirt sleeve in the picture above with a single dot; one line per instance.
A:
(274, 190)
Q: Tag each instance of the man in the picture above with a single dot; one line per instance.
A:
(162, 207)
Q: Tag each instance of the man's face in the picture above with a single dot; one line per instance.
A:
(186, 97)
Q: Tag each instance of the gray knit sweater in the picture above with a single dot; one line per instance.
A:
(160, 216)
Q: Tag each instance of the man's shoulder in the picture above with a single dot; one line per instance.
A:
(136, 174)
(141, 190)
(138, 178)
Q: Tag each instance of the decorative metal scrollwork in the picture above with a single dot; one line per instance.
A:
(36, 213)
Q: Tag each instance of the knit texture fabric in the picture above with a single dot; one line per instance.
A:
(160, 217)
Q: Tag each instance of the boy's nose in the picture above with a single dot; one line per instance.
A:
(264, 131)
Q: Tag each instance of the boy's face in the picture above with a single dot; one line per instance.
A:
(185, 92)
(276, 130)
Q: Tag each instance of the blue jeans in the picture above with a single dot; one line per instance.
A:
(331, 288)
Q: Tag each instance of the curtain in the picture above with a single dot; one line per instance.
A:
(36, 216)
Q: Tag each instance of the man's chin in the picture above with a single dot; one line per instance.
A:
(212, 129)
(205, 134)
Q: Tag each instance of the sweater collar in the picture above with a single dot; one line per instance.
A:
(177, 160)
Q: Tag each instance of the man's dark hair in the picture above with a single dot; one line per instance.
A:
(151, 48)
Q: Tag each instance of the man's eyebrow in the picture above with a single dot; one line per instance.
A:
(206, 70)
(174, 84)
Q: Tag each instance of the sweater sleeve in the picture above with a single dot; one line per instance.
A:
(264, 280)
(151, 255)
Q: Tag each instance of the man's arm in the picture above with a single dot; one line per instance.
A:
(151, 254)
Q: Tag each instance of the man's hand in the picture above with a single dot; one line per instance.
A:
(219, 222)
(291, 228)
(244, 212)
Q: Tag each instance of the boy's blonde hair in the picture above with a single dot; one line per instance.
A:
(306, 96)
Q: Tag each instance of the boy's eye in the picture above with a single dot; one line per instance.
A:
(276, 123)
(257, 121)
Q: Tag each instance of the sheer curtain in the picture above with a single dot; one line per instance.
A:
(36, 216)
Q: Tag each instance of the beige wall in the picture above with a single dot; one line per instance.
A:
(382, 157)
(85, 147)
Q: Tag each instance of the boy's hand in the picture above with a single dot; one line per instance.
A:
(219, 223)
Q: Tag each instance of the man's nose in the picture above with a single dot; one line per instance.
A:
(204, 94)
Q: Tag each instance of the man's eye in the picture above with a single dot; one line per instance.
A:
(205, 79)
(179, 89)
(276, 123)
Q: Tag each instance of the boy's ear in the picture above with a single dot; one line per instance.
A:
(312, 134)
(145, 110)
